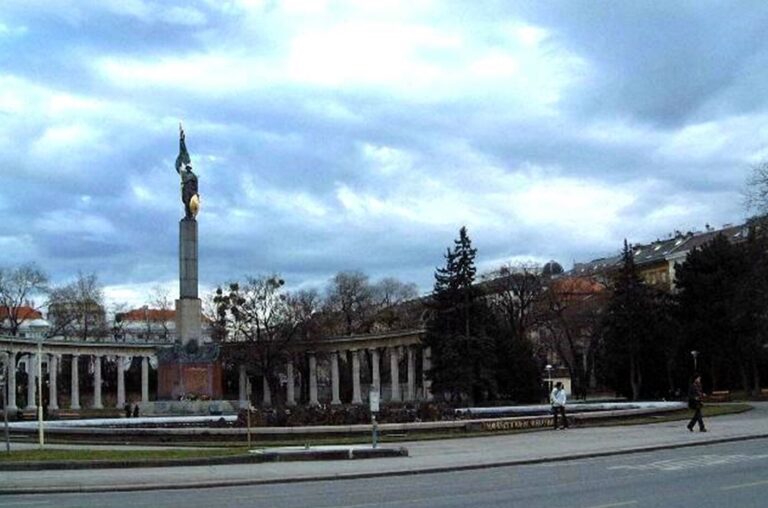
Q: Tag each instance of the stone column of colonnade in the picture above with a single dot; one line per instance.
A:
(335, 399)
(242, 387)
(10, 358)
(97, 382)
(74, 389)
(426, 364)
(290, 398)
(32, 381)
(120, 382)
(375, 372)
(53, 391)
(145, 379)
(394, 372)
(356, 395)
(313, 380)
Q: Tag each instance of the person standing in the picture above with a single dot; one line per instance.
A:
(557, 399)
(695, 396)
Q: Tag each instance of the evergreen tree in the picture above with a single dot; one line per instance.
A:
(462, 353)
(632, 339)
(721, 300)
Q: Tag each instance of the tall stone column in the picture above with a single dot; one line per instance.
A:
(375, 372)
(242, 387)
(313, 380)
(188, 306)
(335, 399)
(120, 383)
(32, 382)
(394, 371)
(53, 387)
(426, 364)
(411, 395)
(290, 396)
(97, 382)
(356, 397)
(266, 399)
(74, 388)
(145, 379)
(11, 395)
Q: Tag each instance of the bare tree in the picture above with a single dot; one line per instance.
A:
(756, 192)
(572, 310)
(350, 296)
(257, 316)
(515, 295)
(160, 306)
(391, 291)
(77, 309)
(18, 286)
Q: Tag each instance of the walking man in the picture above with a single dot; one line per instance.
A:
(695, 396)
(557, 399)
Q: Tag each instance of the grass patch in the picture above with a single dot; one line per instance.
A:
(708, 411)
(55, 455)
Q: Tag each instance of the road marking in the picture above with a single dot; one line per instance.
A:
(692, 462)
(26, 503)
(745, 485)
(612, 505)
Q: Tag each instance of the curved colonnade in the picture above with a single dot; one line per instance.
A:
(366, 358)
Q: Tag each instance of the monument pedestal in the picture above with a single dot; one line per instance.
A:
(189, 369)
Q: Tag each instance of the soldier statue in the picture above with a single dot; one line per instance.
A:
(189, 195)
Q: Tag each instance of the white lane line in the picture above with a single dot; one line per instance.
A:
(612, 505)
(25, 503)
(745, 485)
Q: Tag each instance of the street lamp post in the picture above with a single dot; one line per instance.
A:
(4, 383)
(548, 368)
(40, 436)
(695, 355)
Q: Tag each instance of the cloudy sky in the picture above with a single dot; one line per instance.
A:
(362, 135)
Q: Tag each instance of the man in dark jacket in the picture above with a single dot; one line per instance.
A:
(695, 396)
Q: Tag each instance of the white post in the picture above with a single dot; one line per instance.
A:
(313, 380)
(53, 386)
(394, 371)
(12, 381)
(356, 396)
(97, 382)
(145, 379)
(290, 398)
(120, 383)
(74, 389)
(335, 399)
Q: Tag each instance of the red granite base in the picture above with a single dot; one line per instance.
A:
(189, 380)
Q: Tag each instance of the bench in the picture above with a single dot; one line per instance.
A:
(720, 396)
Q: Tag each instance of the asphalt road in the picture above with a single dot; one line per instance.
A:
(734, 475)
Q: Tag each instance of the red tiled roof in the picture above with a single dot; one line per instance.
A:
(23, 312)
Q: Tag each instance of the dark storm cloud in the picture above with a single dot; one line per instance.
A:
(666, 63)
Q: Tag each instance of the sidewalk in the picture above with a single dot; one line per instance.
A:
(425, 456)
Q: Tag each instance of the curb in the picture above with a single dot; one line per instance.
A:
(251, 458)
(374, 474)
